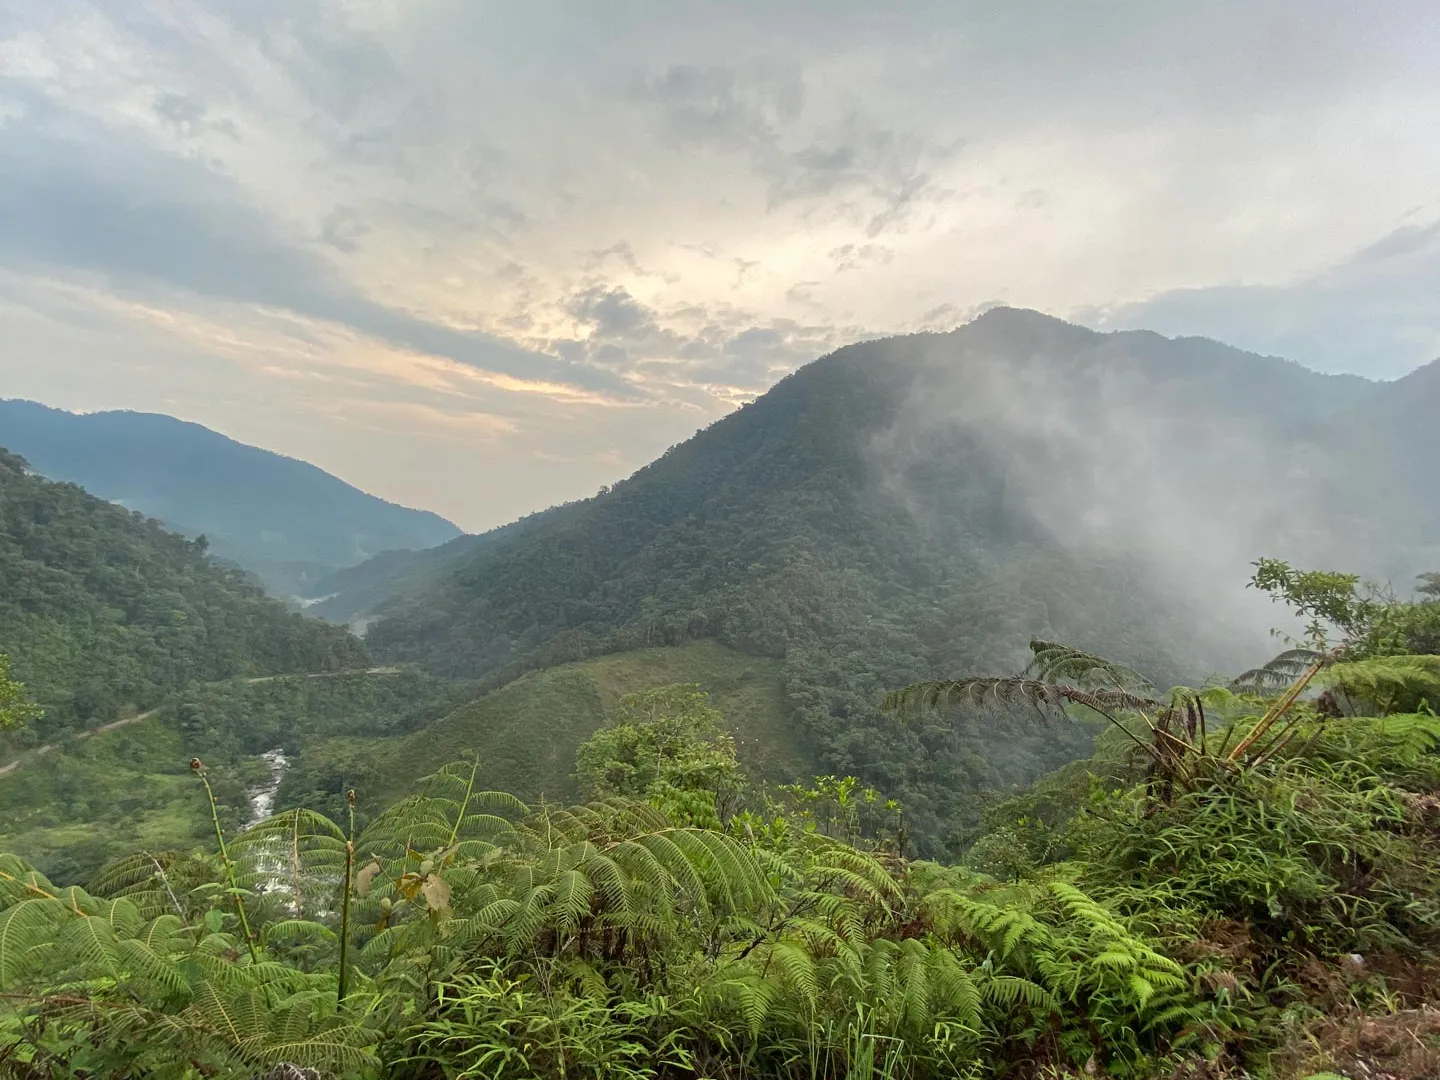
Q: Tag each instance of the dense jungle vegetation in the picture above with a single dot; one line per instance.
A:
(103, 611)
(1241, 881)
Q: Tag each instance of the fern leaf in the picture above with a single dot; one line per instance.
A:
(1276, 674)
(24, 927)
(1011, 695)
(1054, 662)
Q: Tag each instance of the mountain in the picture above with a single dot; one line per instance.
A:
(285, 520)
(352, 594)
(1000, 410)
(1391, 440)
(102, 610)
(914, 507)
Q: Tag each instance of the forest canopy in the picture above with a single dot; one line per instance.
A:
(102, 610)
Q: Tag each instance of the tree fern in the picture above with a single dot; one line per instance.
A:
(1056, 663)
(1387, 683)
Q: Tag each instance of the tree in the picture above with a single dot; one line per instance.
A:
(15, 706)
(1327, 598)
(668, 745)
(1430, 587)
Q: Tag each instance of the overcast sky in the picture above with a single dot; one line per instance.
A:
(483, 257)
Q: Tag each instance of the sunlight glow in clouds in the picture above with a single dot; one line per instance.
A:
(482, 257)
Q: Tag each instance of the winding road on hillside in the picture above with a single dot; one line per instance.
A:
(41, 751)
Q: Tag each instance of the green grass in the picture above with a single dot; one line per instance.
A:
(526, 733)
(96, 798)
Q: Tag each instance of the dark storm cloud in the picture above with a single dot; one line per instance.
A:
(74, 199)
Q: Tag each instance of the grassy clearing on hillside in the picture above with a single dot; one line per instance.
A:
(88, 800)
(525, 734)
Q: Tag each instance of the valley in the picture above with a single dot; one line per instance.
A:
(799, 560)
(749, 689)
(738, 540)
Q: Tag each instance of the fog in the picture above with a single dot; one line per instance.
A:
(1186, 460)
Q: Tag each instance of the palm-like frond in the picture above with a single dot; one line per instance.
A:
(1278, 673)
(1055, 662)
(1009, 694)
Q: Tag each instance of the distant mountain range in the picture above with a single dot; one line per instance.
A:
(286, 521)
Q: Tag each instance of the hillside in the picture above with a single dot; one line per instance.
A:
(89, 799)
(525, 734)
(912, 507)
(1392, 441)
(891, 416)
(102, 610)
(287, 521)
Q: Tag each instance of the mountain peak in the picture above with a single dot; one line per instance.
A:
(1005, 315)
(1026, 326)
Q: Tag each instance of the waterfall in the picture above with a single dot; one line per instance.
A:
(262, 799)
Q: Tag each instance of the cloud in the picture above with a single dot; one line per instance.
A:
(188, 117)
(730, 352)
(1375, 312)
(608, 223)
(612, 312)
(764, 113)
(854, 256)
(93, 204)
(343, 229)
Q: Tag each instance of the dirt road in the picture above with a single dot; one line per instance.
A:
(322, 675)
(41, 751)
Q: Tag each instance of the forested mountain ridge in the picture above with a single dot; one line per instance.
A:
(355, 593)
(102, 609)
(845, 405)
(916, 506)
(287, 520)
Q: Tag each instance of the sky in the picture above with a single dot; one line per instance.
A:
(484, 257)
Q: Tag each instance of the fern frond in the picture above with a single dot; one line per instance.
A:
(1276, 674)
(796, 967)
(25, 927)
(1011, 991)
(1010, 694)
(1055, 662)
(298, 932)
